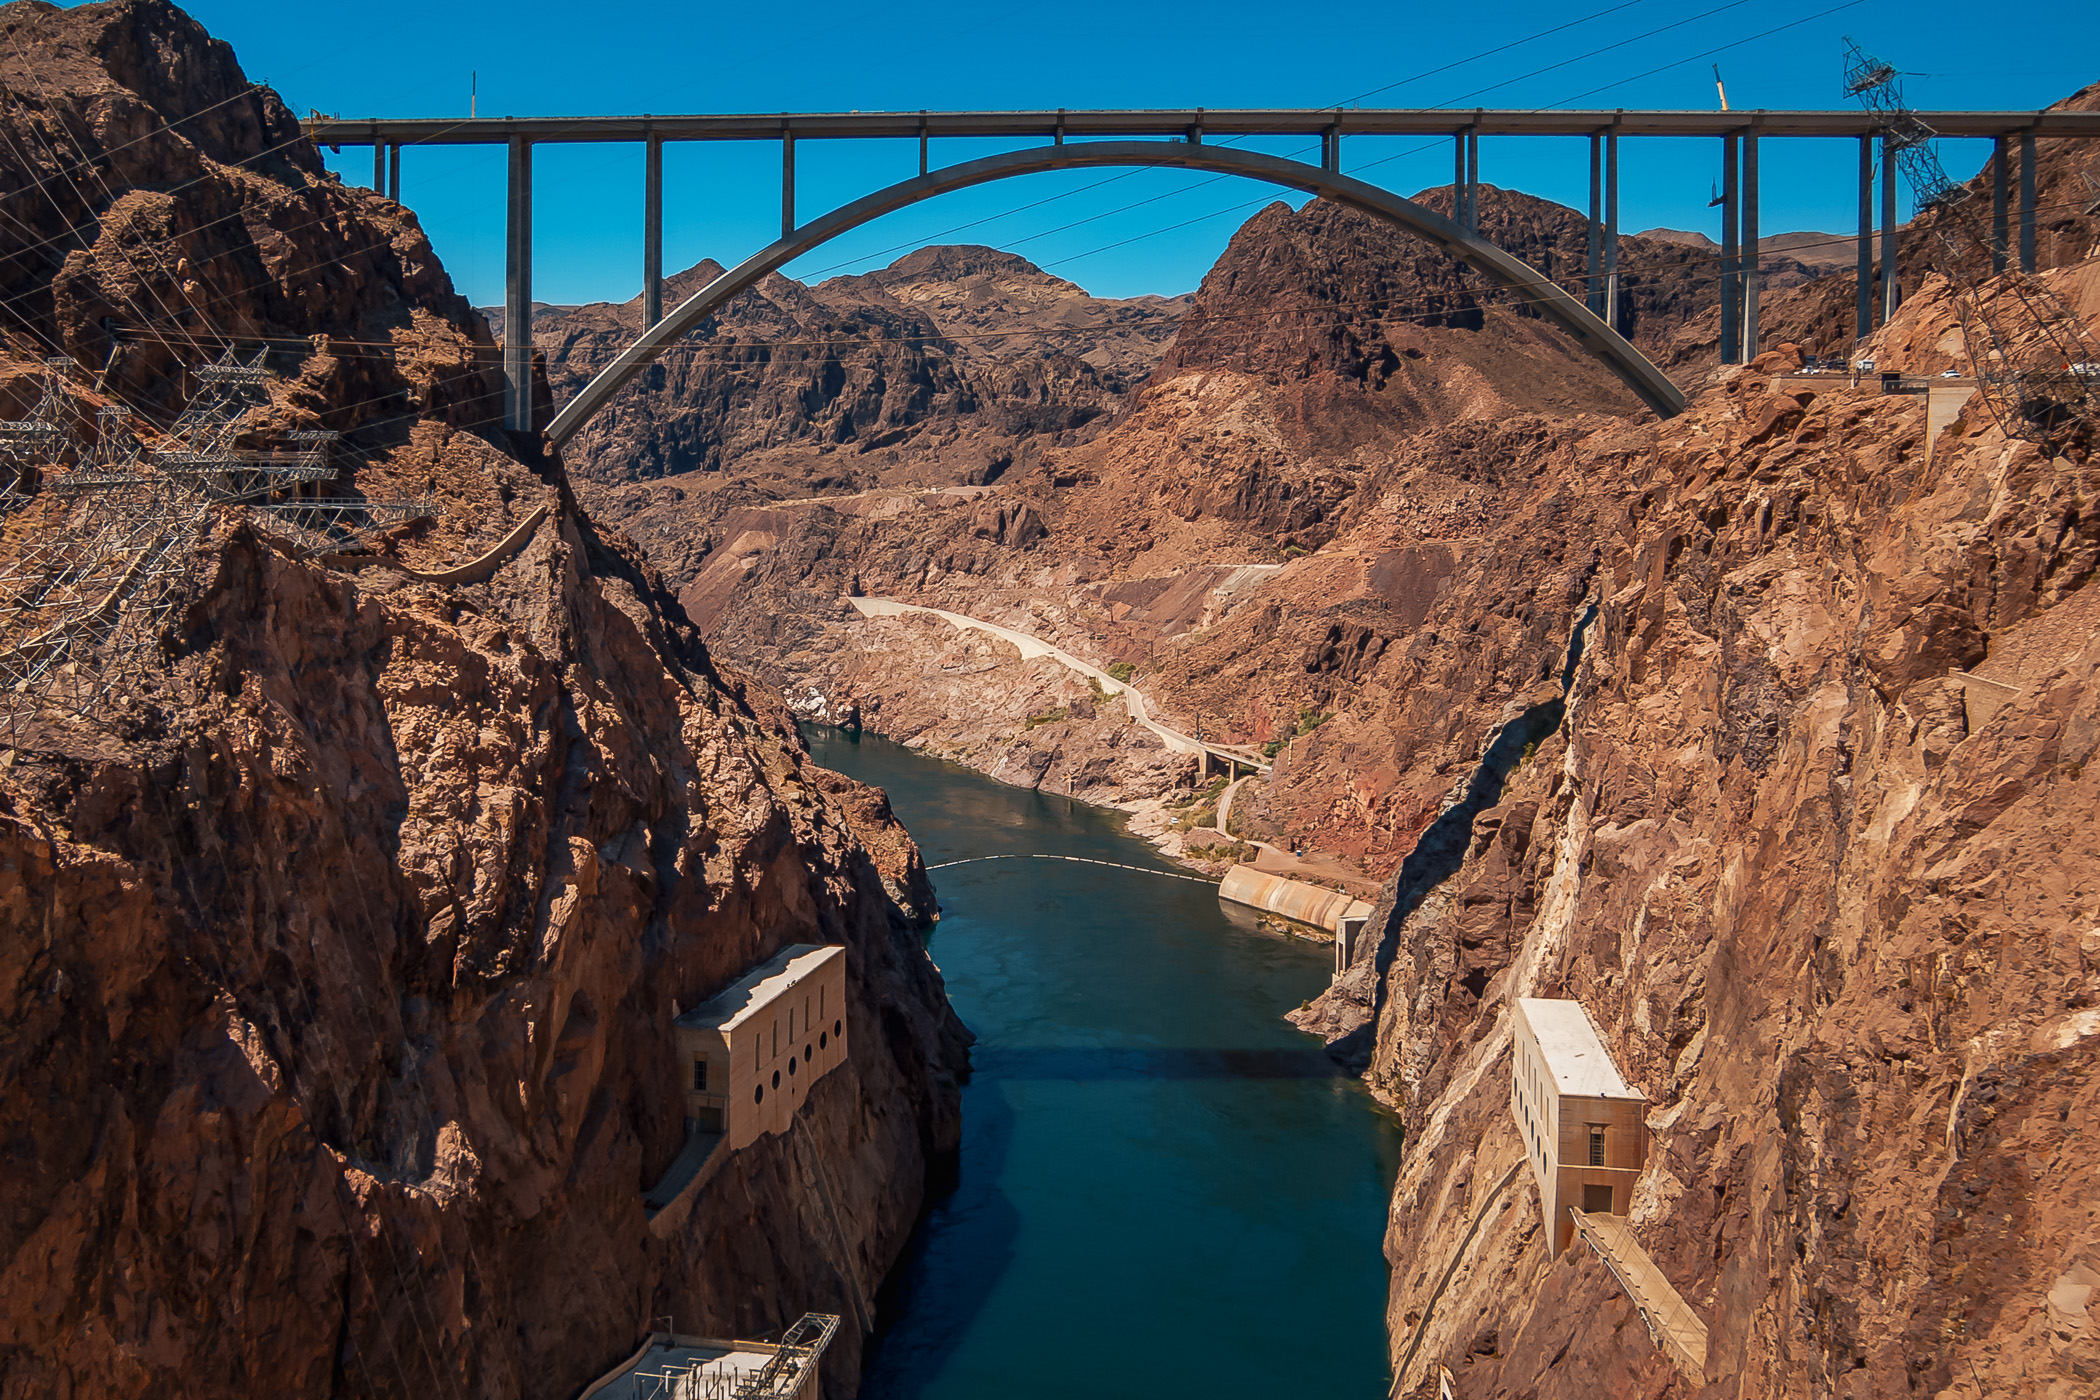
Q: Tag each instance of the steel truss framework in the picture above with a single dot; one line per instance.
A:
(783, 1377)
(115, 526)
(2036, 364)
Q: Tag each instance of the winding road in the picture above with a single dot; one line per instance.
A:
(1031, 647)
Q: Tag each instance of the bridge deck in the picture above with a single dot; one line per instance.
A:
(1209, 122)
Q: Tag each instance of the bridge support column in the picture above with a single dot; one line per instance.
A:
(1592, 288)
(2001, 181)
(1331, 150)
(378, 165)
(787, 184)
(1611, 229)
(1863, 310)
(1753, 273)
(393, 173)
(652, 231)
(1891, 279)
(922, 141)
(1473, 179)
(1731, 251)
(1458, 178)
(2026, 201)
(517, 292)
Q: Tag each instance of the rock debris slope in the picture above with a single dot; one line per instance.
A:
(337, 963)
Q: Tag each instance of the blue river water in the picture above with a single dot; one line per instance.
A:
(1165, 1190)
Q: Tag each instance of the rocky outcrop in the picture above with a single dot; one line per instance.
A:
(341, 952)
(910, 375)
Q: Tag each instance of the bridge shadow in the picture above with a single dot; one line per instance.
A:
(1437, 856)
(1101, 1064)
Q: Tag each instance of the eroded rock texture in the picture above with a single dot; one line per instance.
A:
(338, 959)
(1825, 895)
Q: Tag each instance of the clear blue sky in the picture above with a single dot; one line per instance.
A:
(722, 200)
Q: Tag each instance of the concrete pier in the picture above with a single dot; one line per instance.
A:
(1611, 229)
(1863, 317)
(2001, 182)
(1731, 255)
(2027, 201)
(1752, 257)
(1593, 285)
(653, 231)
(1891, 283)
(517, 292)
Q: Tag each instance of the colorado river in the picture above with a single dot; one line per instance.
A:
(1165, 1190)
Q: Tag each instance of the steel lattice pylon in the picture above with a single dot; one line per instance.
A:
(2036, 364)
(111, 527)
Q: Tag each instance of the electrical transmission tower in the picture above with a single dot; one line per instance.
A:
(2036, 364)
(108, 529)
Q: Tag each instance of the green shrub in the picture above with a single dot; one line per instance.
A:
(1046, 717)
(1272, 748)
(1309, 720)
(1123, 671)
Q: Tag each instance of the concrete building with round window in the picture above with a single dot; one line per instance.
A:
(749, 1055)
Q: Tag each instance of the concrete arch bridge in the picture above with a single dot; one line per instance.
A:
(1177, 140)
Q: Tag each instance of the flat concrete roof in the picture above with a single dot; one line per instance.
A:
(756, 989)
(668, 1357)
(1575, 1053)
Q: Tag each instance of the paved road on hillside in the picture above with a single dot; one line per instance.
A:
(1031, 647)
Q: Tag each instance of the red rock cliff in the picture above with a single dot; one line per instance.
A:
(339, 959)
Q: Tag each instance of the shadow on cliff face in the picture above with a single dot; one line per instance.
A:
(1437, 856)
(963, 1246)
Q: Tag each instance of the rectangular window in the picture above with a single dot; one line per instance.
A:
(1596, 1147)
(700, 1074)
(791, 1023)
(1596, 1200)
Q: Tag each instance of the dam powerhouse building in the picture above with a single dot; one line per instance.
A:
(1585, 1130)
(749, 1054)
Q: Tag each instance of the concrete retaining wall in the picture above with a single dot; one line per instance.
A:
(1292, 899)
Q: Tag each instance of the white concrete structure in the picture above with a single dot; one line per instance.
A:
(1585, 1131)
(672, 1366)
(749, 1055)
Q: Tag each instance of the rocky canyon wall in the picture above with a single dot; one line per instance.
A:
(1812, 847)
(338, 957)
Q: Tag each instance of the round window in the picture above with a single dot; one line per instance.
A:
(806, 1055)
(823, 1039)
(758, 1095)
(838, 1027)
(791, 1064)
(776, 1079)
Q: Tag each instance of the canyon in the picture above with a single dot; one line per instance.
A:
(1762, 732)
(341, 956)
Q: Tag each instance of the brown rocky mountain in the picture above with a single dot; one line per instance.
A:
(1818, 252)
(338, 953)
(921, 363)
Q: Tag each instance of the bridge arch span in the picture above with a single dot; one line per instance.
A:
(1502, 268)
